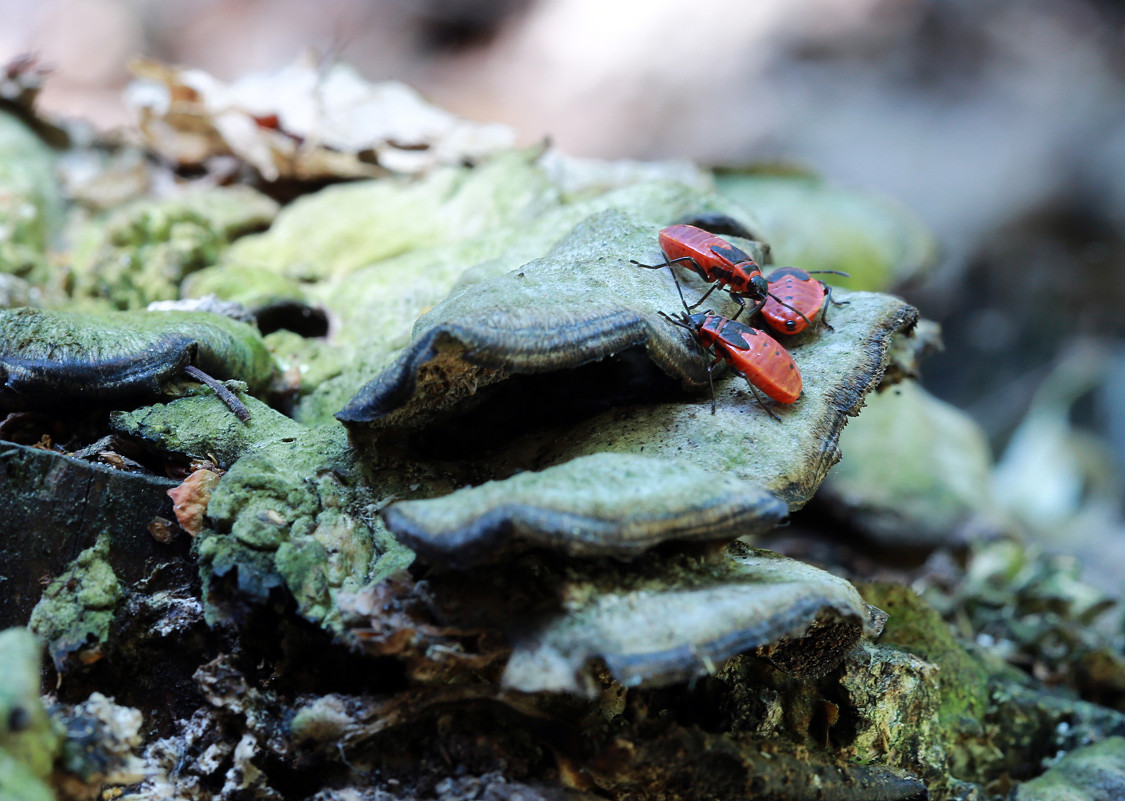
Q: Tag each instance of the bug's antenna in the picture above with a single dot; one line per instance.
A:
(786, 305)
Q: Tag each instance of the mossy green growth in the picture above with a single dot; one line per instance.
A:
(29, 741)
(345, 227)
(29, 197)
(76, 610)
(814, 225)
(1092, 773)
(313, 360)
(149, 246)
(252, 286)
(200, 425)
(30, 205)
(19, 783)
(963, 680)
(917, 470)
(292, 512)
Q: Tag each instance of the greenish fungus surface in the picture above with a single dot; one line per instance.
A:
(918, 471)
(583, 302)
(789, 458)
(55, 357)
(485, 494)
(1092, 773)
(663, 626)
(145, 249)
(77, 609)
(604, 504)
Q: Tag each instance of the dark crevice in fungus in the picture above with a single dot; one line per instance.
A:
(542, 403)
(300, 318)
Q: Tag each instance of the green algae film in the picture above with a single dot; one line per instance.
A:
(604, 504)
(54, 358)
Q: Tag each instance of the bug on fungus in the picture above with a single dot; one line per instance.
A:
(751, 353)
(805, 298)
(717, 260)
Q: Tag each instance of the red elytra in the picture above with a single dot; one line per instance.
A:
(801, 292)
(796, 299)
(753, 354)
(713, 259)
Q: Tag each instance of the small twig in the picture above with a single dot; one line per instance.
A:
(225, 395)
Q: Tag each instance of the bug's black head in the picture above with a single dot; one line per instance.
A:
(759, 286)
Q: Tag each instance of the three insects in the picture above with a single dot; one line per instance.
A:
(790, 300)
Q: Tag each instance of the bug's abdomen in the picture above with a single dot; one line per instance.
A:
(799, 290)
(710, 252)
(755, 355)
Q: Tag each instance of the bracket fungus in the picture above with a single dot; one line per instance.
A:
(490, 490)
(603, 504)
(579, 304)
(60, 358)
(666, 626)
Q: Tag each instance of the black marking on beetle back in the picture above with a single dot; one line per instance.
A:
(732, 254)
(734, 334)
(795, 272)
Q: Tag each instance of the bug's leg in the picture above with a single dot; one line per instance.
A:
(834, 301)
(741, 306)
(225, 395)
(711, 382)
(667, 263)
(829, 272)
(823, 321)
(705, 296)
(761, 403)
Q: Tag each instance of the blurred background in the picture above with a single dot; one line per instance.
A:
(1001, 124)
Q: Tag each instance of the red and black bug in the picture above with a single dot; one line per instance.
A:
(713, 259)
(753, 354)
(716, 260)
(796, 299)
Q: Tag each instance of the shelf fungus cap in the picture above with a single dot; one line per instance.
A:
(600, 505)
(581, 303)
(53, 357)
(664, 630)
(789, 459)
